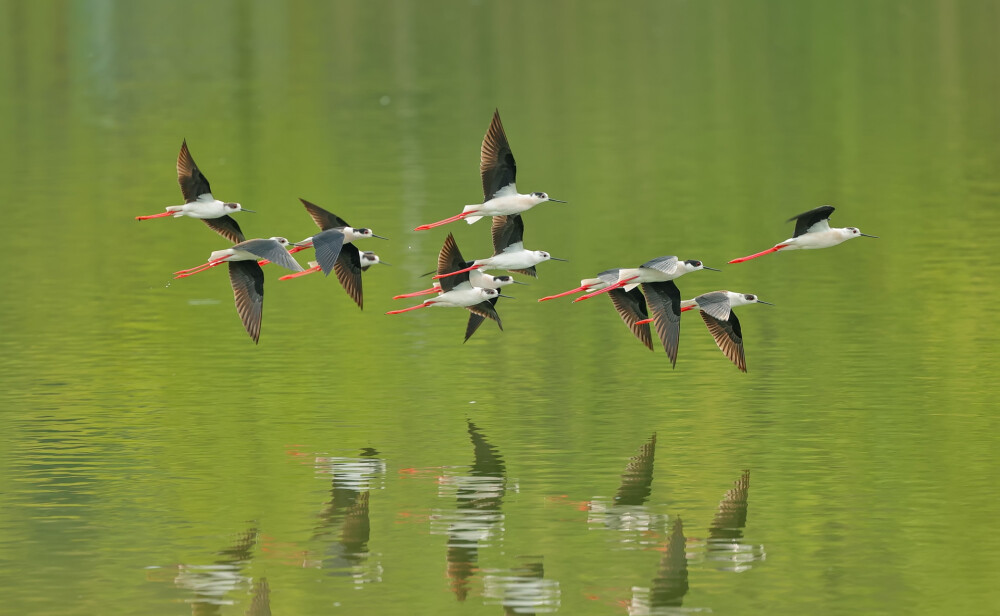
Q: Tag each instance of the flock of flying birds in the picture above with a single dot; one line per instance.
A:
(461, 283)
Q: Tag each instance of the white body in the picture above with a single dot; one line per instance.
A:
(648, 274)
(461, 296)
(822, 238)
(486, 281)
(350, 234)
(205, 206)
(236, 254)
(506, 201)
(514, 259)
(735, 299)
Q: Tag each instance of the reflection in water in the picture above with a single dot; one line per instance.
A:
(347, 511)
(523, 590)
(627, 512)
(671, 581)
(477, 517)
(724, 535)
(260, 605)
(212, 583)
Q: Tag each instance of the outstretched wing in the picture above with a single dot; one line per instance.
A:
(248, 291)
(481, 312)
(814, 220)
(450, 260)
(225, 226)
(323, 219)
(508, 232)
(716, 304)
(272, 251)
(348, 268)
(496, 161)
(193, 182)
(631, 307)
(328, 244)
(728, 337)
(664, 301)
(667, 265)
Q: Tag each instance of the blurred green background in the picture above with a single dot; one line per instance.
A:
(153, 460)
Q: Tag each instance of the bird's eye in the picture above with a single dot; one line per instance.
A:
(540, 195)
(231, 206)
(749, 298)
(696, 263)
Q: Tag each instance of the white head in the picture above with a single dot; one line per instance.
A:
(234, 207)
(540, 197)
(691, 265)
(541, 255)
(363, 232)
(850, 233)
(280, 240)
(368, 259)
(488, 293)
(742, 299)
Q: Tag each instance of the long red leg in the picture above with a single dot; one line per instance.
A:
(418, 306)
(461, 271)
(418, 293)
(759, 254)
(196, 270)
(617, 285)
(160, 215)
(564, 293)
(644, 321)
(295, 249)
(311, 270)
(686, 308)
(444, 222)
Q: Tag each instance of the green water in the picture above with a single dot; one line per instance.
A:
(153, 460)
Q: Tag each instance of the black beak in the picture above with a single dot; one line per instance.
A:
(555, 259)
(866, 235)
(379, 237)
(507, 296)
(243, 209)
(556, 200)
(519, 282)
(710, 268)
(760, 301)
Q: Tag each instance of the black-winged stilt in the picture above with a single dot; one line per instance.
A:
(812, 231)
(497, 168)
(199, 202)
(717, 311)
(508, 250)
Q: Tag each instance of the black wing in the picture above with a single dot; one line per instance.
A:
(248, 290)
(227, 227)
(728, 337)
(496, 162)
(664, 301)
(193, 182)
(450, 260)
(328, 244)
(805, 220)
(480, 312)
(631, 307)
(507, 231)
(348, 268)
(266, 248)
(530, 271)
(323, 219)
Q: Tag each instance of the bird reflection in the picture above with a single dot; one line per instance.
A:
(346, 516)
(211, 583)
(671, 582)
(627, 511)
(260, 605)
(523, 590)
(477, 515)
(724, 544)
(638, 476)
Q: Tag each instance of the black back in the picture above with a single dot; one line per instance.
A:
(664, 300)
(225, 226)
(506, 231)
(348, 268)
(480, 312)
(450, 260)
